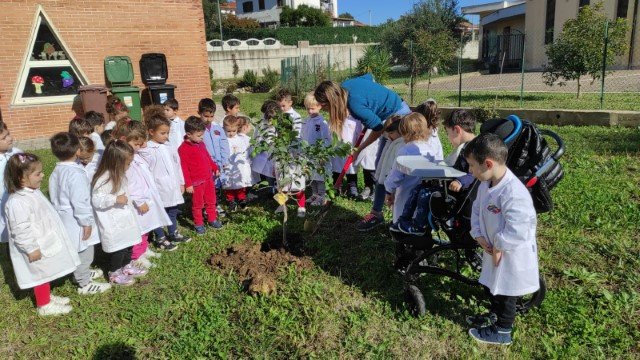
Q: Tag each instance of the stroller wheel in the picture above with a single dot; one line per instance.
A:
(528, 302)
(414, 298)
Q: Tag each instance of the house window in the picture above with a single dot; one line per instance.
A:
(261, 4)
(49, 74)
(549, 22)
(280, 3)
(247, 6)
(623, 7)
(582, 3)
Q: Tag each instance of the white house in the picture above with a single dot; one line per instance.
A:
(267, 12)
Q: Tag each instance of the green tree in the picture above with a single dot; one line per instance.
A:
(211, 27)
(346, 15)
(579, 49)
(305, 16)
(232, 22)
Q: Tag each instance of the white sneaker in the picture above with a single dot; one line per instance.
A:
(280, 209)
(94, 288)
(151, 254)
(54, 308)
(60, 299)
(143, 262)
(96, 274)
(302, 212)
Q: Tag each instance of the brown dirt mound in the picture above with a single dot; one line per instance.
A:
(257, 265)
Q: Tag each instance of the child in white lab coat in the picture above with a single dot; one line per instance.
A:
(503, 222)
(70, 194)
(39, 246)
(237, 177)
(351, 129)
(314, 129)
(115, 213)
(6, 151)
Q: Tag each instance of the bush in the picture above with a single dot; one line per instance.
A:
(315, 35)
(249, 79)
(377, 61)
(270, 79)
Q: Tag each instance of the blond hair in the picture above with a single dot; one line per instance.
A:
(332, 94)
(310, 100)
(414, 127)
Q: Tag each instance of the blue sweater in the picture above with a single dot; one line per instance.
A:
(370, 102)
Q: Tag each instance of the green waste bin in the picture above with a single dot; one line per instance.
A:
(130, 96)
(119, 72)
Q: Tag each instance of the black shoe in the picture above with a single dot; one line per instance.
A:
(233, 206)
(178, 238)
(164, 244)
(369, 222)
(243, 204)
(480, 320)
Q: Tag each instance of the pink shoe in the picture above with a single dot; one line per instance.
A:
(119, 278)
(134, 271)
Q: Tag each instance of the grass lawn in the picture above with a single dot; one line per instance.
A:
(350, 304)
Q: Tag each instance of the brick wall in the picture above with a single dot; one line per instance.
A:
(92, 30)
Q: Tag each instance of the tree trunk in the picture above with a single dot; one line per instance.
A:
(429, 84)
(578, 93)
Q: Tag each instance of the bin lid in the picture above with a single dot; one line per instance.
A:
(125, 89)
(162, 87)
(97, 88)
(118, 70)
(153, 68)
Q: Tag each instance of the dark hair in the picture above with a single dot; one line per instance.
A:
(64, 145)
(18, 166)
(194, 124)
(229, 101)
(283, 94)
(172, 103)
(113, 161)
(392, 123)
(79, 127)
(462, 118)
(429, 109)
(94, 118)
(206, 105)
(270, 109)
(487, 146)
(86, 144)
(106, 137)
(154, 117)
(115, 105)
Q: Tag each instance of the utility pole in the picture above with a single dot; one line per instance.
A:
(369, 17)
(220, 22)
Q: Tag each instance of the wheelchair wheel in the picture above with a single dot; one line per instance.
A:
(528, 302)
(414, 298)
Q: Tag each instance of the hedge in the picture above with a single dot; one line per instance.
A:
(315, 35)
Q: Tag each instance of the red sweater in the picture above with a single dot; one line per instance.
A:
(197, 165)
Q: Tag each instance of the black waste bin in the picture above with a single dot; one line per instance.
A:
(154, 72)
(161, 93)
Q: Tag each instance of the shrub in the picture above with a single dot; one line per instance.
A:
(377, 61)
(270, 79)
(249, 79)
(315, 35)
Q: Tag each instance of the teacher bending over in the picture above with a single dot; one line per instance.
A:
(371, 104)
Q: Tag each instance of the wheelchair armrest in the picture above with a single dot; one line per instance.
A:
(416, 165)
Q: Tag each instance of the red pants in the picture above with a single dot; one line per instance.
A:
(235, 194)
(140, 248)
(204, 196)
(42, 293)
(302, 198)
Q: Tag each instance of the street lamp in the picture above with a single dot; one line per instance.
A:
(220, 22)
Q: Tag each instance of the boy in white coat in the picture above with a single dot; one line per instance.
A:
(314, 129)
(503, 222)
(70, 193)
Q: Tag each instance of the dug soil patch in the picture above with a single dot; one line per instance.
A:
(258, 266)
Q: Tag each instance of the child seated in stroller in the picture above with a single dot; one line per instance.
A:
(460, 127)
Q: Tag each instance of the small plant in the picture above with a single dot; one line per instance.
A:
(236, 68)
(377, 61)
(270, 79)
(212, 82)
(249, 79)
(484, 112)
(231, 88)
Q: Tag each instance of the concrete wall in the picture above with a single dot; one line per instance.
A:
(341, 57)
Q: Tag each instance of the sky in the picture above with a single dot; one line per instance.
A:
(381, 10)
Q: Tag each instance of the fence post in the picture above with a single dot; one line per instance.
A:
(460, 71)
(315, 71)
(350, 64)
(524, 42)
(604, 62)
(412, 71)
(329, 64)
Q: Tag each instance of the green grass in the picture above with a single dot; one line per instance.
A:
(350, 304)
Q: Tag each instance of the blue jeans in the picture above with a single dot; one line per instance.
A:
(173, 212)
(418, 203)
(378, 198)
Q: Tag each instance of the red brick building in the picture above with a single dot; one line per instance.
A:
(84, 33)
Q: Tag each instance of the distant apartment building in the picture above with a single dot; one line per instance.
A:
(267, 12)
(228, 8)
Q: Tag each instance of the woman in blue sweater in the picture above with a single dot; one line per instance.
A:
(371, 104)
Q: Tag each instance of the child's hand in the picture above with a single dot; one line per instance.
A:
(216, 173)
(144, 208)
(122, 199)
(189, 189)
(497, 256)
(484, 244)
(182, 189)
(455, 186)
(389, 199)
(35, 256)
(86, 232)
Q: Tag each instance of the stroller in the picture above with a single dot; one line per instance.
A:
(459, 256)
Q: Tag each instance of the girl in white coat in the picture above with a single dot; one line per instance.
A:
(238, 173)
(351, 129)
(503, 222)
(115, 214)
(39, 246)
(314, 129)
(419, 141)
(143, 192)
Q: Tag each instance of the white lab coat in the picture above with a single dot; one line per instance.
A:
(261, 164)
(118, 224)
(367, 157)
(33, 224)
(143, 190)
(314, 129)
(505, 216)
(70, 194)
(402, 184)
(164, 164)
(4, 195)
(387, 159)
(351, 129)
(238, 174)
(97, 141)
(176, 133)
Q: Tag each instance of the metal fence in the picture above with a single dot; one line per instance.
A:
(507, 73)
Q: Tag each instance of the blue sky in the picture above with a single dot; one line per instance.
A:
(381, 10)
